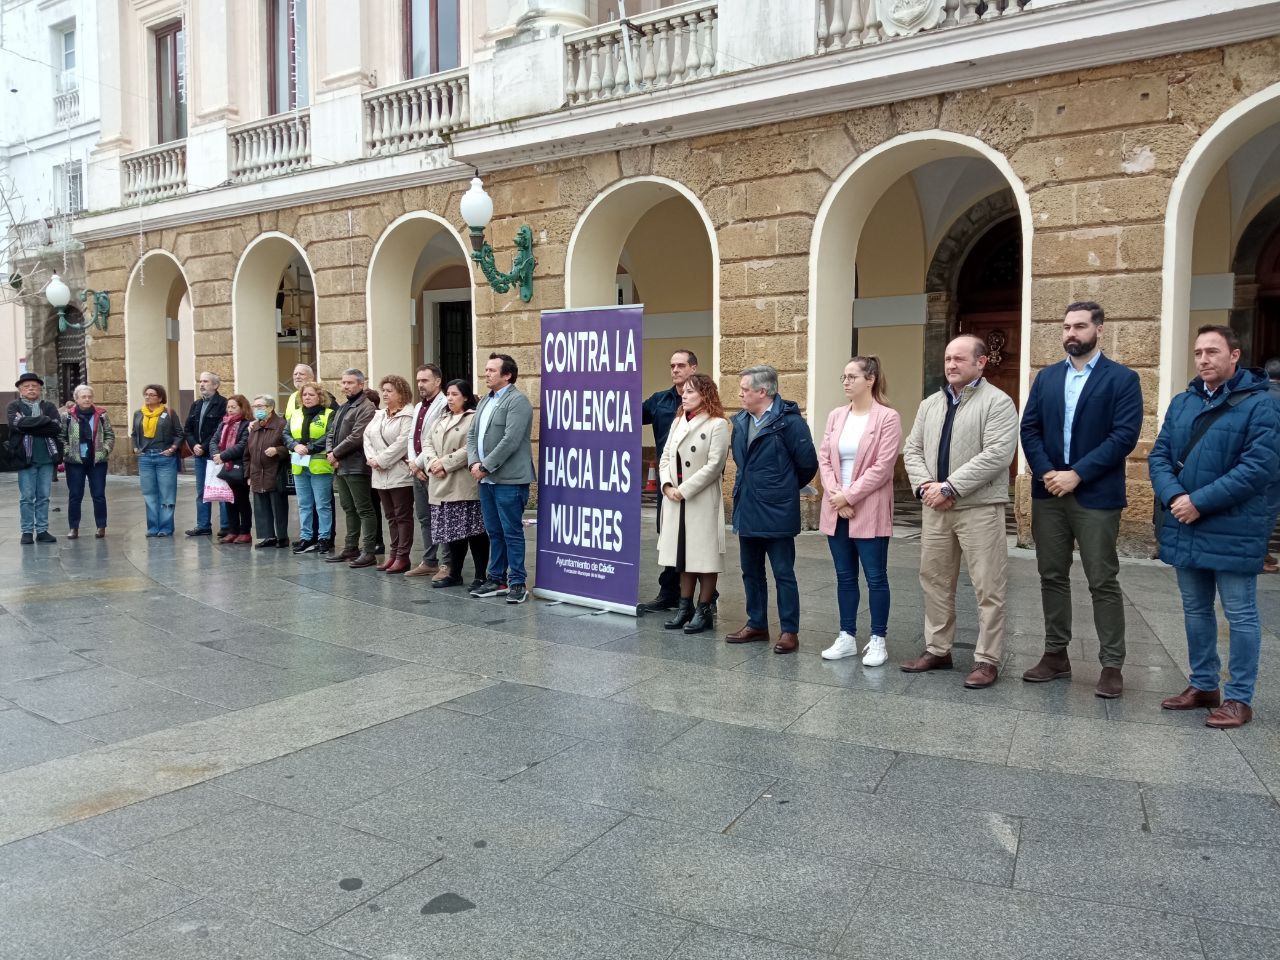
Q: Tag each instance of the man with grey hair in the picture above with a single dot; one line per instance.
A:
(352, 477)
(203, 421)
(775, 457)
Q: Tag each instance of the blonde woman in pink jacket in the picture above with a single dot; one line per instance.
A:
(855, 461)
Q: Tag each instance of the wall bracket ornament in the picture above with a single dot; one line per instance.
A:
(522, 263)
(902, 18)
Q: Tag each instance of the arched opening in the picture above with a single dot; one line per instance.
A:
(273, 315)
(156, 300)
(648, 240)
(420, 300)
(1221, 217)
(935, 227)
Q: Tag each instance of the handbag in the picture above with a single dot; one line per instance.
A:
(216, 490)
(232, 472)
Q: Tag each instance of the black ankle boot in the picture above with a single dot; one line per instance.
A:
(704, 618)
(684, 613)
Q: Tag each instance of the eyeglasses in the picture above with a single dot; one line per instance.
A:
(850, 377)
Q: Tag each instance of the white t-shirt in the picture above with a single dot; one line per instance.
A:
(855, 425)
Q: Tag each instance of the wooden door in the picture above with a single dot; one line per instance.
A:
(1266, 319)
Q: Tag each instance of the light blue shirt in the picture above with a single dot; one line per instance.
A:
(485, 416)
(1072, 387)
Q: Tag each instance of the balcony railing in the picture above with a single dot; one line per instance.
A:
(271, 147)
(415, 114)
(666, 48)
(66, 107)
(155, 173)
(843, 24)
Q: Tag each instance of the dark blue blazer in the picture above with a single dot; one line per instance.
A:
(1104, 431)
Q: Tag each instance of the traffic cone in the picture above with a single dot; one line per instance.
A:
(651, 482)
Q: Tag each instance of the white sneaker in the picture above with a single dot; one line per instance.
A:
(875, 653)
(845, 646)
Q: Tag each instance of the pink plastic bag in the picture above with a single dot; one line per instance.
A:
(216, 489)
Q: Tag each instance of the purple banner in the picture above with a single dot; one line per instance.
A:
(589, 469)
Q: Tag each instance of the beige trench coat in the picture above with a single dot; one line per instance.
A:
(702, 447)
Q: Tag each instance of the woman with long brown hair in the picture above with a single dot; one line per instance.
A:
(689, 474)
(228, 449)
(386, 440)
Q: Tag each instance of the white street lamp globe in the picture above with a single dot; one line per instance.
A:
(477, 206)
(57, 293)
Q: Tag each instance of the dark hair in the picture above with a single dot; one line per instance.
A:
(509, 368)
(160, 391)
(873, 370)
(706, 389)
(242, 402)
(373, 396)
(469, 400)
(1096, 316)
(400, 385)
(1272, 367)
(1222, 330)
(433, 368)
(692, 357)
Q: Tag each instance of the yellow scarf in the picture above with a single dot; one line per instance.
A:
(150, 418)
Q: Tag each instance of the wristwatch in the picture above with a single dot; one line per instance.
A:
(948, 490)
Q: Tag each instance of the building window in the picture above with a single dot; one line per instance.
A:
(432, 36)
(289, 63)
(171, 83)
(69, 183)
(66, 59)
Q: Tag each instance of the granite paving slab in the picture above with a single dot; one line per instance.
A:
(64, 697)
(1213, 815)
(1231, 941)
(26, 739)
(589, 718)
(728, 697)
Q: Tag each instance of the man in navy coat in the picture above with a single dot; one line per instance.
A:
(1081, 422)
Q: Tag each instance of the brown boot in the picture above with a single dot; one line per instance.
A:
(1230, 715)
(927, 661)
(1110, 683)
(1192, 698)
(1053, 665)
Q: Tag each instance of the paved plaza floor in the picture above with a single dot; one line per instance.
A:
(214, 752)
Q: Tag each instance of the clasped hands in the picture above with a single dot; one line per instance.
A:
(844, 509)
(672, 492)
(1183, 509)
(933, 497)
(1061, 482)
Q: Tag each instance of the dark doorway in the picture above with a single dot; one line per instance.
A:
(455, 341)
(989, 298)
(1266, 323)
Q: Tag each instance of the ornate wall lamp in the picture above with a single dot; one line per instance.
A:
(477, 211)
(59, 295)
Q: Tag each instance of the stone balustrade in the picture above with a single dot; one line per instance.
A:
(854, 23)
(66, 107)
(416, 114)
(669, 47)
(155, 173)
(271, 147)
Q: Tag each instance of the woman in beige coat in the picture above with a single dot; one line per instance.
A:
(386, 440)
(455, 495)
(689, 473)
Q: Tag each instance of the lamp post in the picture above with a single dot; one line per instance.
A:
(59, 296)
(477, 211)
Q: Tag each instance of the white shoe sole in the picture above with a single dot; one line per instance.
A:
(829, 655)
(875, 663)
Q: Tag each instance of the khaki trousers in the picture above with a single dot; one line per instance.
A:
(977, 533)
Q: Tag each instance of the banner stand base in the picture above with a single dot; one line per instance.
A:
(600, 606)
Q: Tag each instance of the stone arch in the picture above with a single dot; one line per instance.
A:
(837, 233)
(389, 293)
(254, 287)
(600, 236)
(1231, 131)
(157, 279)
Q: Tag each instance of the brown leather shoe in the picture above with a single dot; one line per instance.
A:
(398, 565)
(787, 643)
(443, 574)
(1053, 665)
(73, 534)
(102, 532)
(421, 570)
(1230, 715)
(1110, 684)
(982, 675)
(748, 634)
(1192, 699)
(346, 556)
(364, 560)
(927, 661)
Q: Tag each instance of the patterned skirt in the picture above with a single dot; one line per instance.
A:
(456, 521)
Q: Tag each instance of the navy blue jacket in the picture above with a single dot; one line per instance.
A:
(1105, 430)
(1229, 475)
(771, 472)
(204, 419)
(660, 410)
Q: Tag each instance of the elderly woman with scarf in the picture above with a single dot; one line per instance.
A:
(268, 458)
(89, 439)
(228, 448)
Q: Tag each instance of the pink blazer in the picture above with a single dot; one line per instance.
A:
(871, 491)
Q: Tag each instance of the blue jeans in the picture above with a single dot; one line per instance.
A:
(159, 477)
(1240, 603)
(96, 474)
(34, 484)
(873, 552)
(781, 552)
(315, 498)
(503, 507)
(204, 516)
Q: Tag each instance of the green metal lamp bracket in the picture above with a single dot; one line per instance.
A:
(522, 263)
(101, 312)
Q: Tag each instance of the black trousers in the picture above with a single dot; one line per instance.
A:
(272, 509)
(240, 512)
(479, 553)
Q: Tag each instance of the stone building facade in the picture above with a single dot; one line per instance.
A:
(1090, 161)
